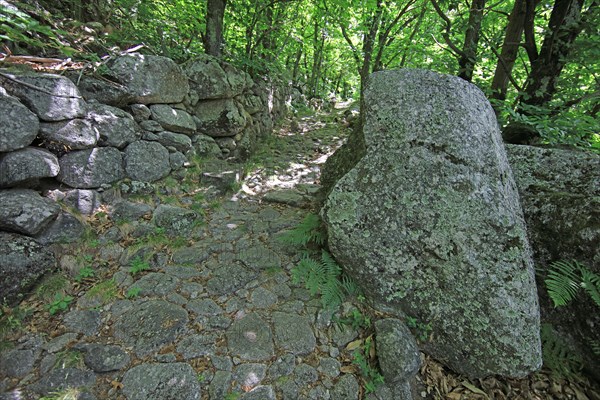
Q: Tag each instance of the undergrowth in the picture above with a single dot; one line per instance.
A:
(317, 269)
(565, 281)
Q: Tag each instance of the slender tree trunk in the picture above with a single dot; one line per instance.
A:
(563, 28)
(510, 48)
(213, 39)
(468, 57)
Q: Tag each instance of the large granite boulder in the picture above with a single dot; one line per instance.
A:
(220, 118)
(18, 125)
(429, 223)
(25, 211)
(74, 134)
(102, 90)
(173, 119)
(151, 79)
(23, 263)
(147, 161)
(113, 126)
(560, 196)
(51, 97)
(213, 79)
(91, 168)
(26, 166)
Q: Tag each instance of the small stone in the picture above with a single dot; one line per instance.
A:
(219, 386)
(260, 393)
(329, 367)
(60, 342)
(204, 307)
(263, 298)
(293, 333)
(83, 321)
(197, 346)
(17, 363)
(304, 375)
(250, 375)
(345, 389)
(102, 358)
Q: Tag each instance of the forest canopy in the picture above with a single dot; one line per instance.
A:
(538, 61)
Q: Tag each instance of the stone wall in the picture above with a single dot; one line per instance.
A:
(71, 137)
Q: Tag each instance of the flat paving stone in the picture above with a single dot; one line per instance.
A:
(293, 333)
(160, 382)
(149, 325)
(250, 338)
(104, 358)
(229, 278)
(156, 284)
(83, 321)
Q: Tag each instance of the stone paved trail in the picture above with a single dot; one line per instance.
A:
(211, 314)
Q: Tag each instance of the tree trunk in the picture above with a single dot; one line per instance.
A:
(563, 28)
(213, 39)
(510, 48)
(468, 57)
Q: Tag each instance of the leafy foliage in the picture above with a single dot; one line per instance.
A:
(60, 303)
(557, 355)
(361, 358)
(421, 330)
(324, 278)
(565, 280)
(308, 231)
(138, 265)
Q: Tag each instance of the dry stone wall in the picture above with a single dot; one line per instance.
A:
(78, 135)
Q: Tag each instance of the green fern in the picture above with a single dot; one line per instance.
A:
(308, 231)
(557, 355)
(324, 278)
(590, 282)
(565, 280)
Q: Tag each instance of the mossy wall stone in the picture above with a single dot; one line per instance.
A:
(429, 223)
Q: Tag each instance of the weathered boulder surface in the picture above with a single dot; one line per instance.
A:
(66, 228)
(146, 161)
(74, 134)
(59, 99)
(151, 79)
(23, 262)
(429, 223)
(560, 196)
(91, 168)
(218, 118)
(18, 125)
(113, 126)
(397, 350)
(102, 90)
(212, 79)
(27, 165)
(25, 211)
(173, 119)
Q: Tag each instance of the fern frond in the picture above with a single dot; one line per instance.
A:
(332, 269)
(308, 271)
(332, 294)
(557, 355)
(595, 346)
(349, 286)
(590, 282)
(309, 230)
(563, 282)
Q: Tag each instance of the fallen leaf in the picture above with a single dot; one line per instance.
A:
(474, 389)
(116, 385)
(354, 345)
